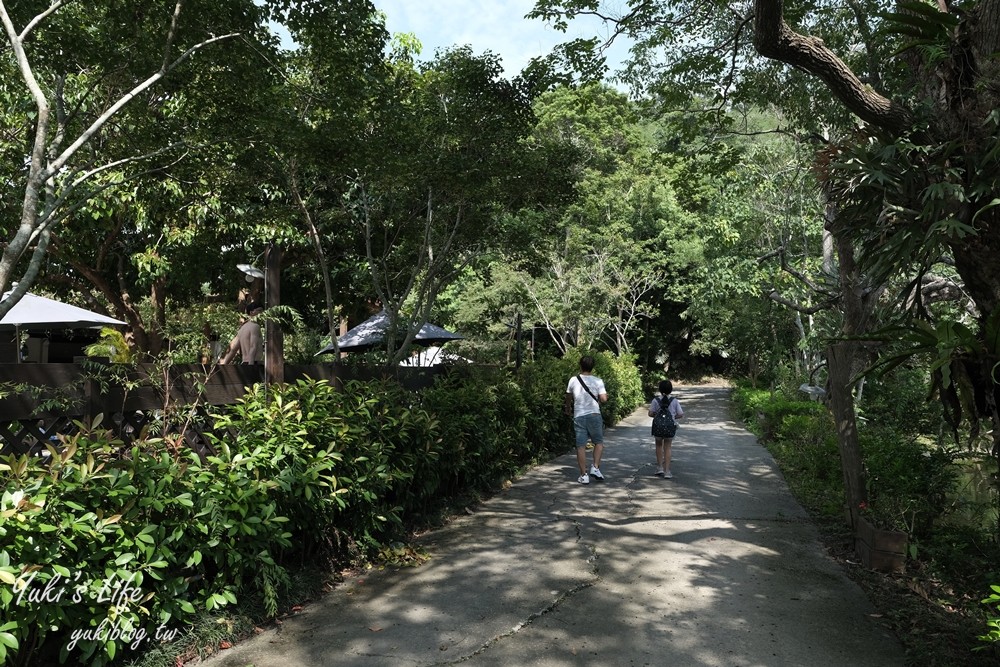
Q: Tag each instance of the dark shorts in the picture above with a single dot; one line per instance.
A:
(589, 427)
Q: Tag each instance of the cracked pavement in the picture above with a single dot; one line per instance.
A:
(718, 566)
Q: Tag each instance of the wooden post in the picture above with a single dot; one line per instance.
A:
(274, 346)
(95, 402)
(343, 330)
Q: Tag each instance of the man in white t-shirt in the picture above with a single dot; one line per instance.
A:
(588, 392)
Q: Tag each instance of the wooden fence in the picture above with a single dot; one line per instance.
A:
(39, 401)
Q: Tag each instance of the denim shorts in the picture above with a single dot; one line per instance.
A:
(589, 426)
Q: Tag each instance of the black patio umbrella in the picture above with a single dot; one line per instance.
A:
(371, 333)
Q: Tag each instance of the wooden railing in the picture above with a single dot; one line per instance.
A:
(40, 401)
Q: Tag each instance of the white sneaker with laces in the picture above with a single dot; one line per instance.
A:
(596, 472)
(659, 472)
(583, 479)
(668, 475)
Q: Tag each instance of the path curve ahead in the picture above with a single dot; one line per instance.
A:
(718, 566)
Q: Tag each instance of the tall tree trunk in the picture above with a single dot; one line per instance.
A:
(840, 362)
(842, 358)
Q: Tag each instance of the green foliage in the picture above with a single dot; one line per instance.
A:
(64, 398)
(175, 534)
(897, 403)
(764, 220)
(301, 345)
(332, 456)
(993, 622)
(911, 487)
(421, 212)
(801, 436)
(482, 430)
(624, 384)
(600, 270)
(667, 59)
(7, 640)
(748, 403)
(112, 346)
(191, 331)
(906, 200)
(150, 172)
(780, 416)
(300, 471)
(543, 384)
(924, 23)
(909, 482)
(962, 362)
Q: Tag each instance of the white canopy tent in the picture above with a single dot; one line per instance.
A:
(433, 356)
(38, 313)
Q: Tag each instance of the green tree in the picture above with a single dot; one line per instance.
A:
(763, 240)
(437, 202)
(602, 268)
(76, 84)
(244, 125)
(328, 99)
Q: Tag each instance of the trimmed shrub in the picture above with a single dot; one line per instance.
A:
(107, 551)
(543, 384)
(104, 551)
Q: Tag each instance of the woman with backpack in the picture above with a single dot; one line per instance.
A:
(665, 411)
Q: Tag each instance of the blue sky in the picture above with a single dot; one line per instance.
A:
(486, 25)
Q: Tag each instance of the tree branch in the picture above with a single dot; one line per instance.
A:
(47, 219)
(33, 23)
(805, 310)
(774, 39)
(64, 157)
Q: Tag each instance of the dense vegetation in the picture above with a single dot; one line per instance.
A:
(117, 549)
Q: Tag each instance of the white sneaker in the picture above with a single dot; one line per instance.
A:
(583, 479)
(659, 472)
(596, 472)
(667, 475)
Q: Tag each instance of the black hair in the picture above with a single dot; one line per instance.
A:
(586, 363)
(252, 306)
(666, 386)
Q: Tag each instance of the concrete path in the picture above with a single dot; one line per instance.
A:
(718, 566)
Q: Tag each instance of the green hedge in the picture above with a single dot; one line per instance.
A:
(103, 551)
(768, 413)
(909, 482)
(122, 544)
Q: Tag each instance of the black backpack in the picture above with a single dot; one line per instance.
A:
(664, 424)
